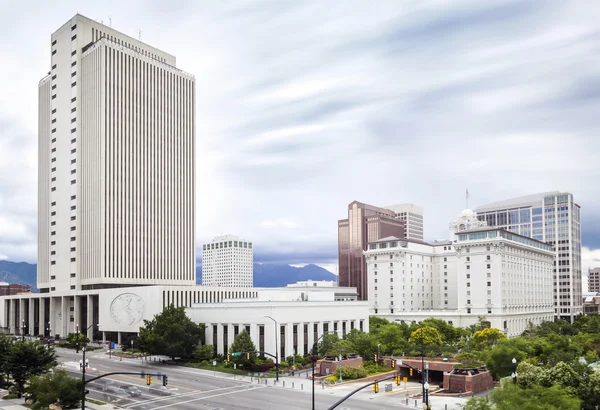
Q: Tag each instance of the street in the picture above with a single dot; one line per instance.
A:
(193, 389)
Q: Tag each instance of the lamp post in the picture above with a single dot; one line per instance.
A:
(49, 329)
(340, 358)
(378, 347)
(83, 366)
(23, 331)
(422, 361)
(312, 357)
(426, 389)
(76, 338)
(132, 348)
(514, 373)
(276, 350)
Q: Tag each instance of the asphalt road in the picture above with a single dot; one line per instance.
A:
(194, 389)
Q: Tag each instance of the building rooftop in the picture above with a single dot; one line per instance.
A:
(516, 202)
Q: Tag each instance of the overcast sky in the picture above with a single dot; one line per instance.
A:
(304, 107)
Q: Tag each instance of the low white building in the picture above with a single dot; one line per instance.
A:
(483, 271)
(228, 261)
(291, 323)
(117, 313)
(312, 283)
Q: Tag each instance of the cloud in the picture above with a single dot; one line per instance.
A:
(590, 258)
(278, 224)
(303, 107)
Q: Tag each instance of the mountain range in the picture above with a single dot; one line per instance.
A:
(277, 275)
(266, 275)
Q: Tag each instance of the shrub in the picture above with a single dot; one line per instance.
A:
(333, 378)
(11, 396)
(351, 373)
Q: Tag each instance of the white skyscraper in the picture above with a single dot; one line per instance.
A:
(227, 261)
(412, 215)
(116, 163)
(554, 218)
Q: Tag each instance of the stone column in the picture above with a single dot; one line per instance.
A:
(208, 334)
(42, 313)
(220, 339)
(76, 313)
(12, 320)
(64, 316)
(289, 339)
(119, 339)
(301, 339)
(54, 324)
(254, 335)
(90, 317)
(230, 335)
(31, 319)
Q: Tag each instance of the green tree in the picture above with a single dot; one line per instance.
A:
(589, 391)
(392, 339)
(561, 374)
(5, 345)
(529, 375)
(499, 359)
(171, 333)
(56, 387)
(478, 403)
(203, 353)
(487, 338)
(243, 343)
(536, 398)
(427, 336)
(363, 343)
(77, 340)
(327, 342)
(342, 347)
(26, 359)
(450, 334)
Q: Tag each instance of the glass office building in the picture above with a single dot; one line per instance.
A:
(554, 218)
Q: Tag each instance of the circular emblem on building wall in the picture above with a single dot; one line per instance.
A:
(127, 309)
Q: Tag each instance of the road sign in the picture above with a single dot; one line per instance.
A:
(235, 366)
(214, 362)
(236, 353)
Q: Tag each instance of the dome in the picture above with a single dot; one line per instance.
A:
(468, 213)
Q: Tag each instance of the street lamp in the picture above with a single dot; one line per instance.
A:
(423, 382)
(49, 330)
(132, 348)
(378, 346)
(276, 350)
(83, 364)
(426, 389)
(514, 373)
(312, 357)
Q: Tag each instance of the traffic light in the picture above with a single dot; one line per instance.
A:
(228, 358)
(165, 380)
(411, 372)
(397, 380)
(248, 355)
(148, 380)
(393, 363)
(376, 387)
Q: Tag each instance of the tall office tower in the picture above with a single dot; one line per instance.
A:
(594, 280)
(412, 215)
(365, 223)
(227, 261)
(116, 163)
(554, 218)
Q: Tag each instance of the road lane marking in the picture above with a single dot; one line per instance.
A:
(163, 398)
(207, 397)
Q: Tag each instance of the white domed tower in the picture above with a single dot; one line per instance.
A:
(465, 221)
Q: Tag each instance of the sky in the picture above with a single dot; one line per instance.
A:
(304, 107)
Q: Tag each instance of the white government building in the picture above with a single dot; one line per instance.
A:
(227, 261)
(482, 271)
(116, 212)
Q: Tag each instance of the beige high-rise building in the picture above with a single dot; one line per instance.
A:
(412, 215)
(594, 280)
(116, 163)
